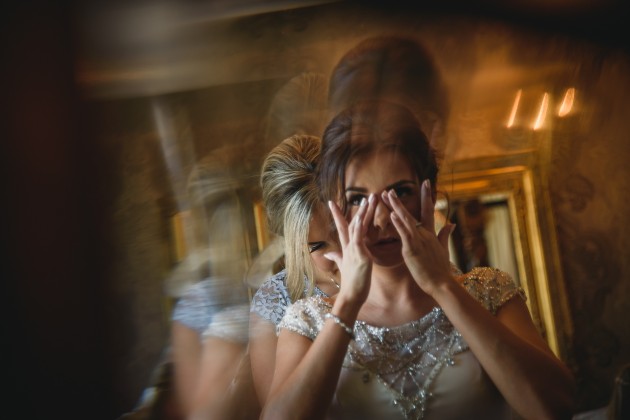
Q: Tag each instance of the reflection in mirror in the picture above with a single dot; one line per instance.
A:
(503, 220)
(484, 237)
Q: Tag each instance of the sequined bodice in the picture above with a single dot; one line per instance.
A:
(405, 359)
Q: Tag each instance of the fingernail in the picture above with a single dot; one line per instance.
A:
(328, 256)
(393, 193)
(371, 198)
(363, 201)
(427, 183)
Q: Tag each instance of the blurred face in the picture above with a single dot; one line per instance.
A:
(320, 241)
(375, 173)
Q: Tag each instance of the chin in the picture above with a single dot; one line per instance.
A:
(390, 259)
(389, 263)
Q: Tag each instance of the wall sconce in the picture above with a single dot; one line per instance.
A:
(564, 109)
(542, 112)
(517, 101)
(567, 103)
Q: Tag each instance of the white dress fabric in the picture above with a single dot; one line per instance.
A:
(419, 370)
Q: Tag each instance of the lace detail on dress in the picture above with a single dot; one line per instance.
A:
(202, 300)
(231, 324)
(492, 287)
(405, 359)
(196, 307)
(271, 300)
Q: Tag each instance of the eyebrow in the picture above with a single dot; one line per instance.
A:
(389, 187)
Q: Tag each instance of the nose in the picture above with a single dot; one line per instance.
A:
(381, 214)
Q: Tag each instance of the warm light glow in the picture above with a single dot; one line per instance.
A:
(510, 122)
(567, 102)
(542, 112)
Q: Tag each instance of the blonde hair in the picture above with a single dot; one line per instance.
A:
(290, 196)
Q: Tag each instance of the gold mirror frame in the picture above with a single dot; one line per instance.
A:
(519, 177)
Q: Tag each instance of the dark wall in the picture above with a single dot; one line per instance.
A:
(51, 268)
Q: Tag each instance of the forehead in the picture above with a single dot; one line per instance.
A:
(320, 227)
(378, 169)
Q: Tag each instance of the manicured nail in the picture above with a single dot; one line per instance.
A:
(393, 193)
(427, 184)
(363, 201)
(328, 256)
(371, 198)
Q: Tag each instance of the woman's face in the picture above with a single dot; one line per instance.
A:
(321, 241)
(372, 174)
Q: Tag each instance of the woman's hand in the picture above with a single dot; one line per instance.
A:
(355, 260)
(425, 253)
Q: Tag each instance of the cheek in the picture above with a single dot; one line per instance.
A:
(412, 204)
(352, 210)
(321, 263)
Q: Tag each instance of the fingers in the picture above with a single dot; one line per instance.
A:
(356, 224)
(340, 222)
(401, 228)
(390, 198)
(427, 210)
(444, 234)
(369, 214)
(334, 256)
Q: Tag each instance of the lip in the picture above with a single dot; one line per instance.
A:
(385, 242)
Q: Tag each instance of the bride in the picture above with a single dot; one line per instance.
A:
(406, 337)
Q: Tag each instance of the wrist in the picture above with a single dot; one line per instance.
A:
(443, 287)
(347, 328)
(346, 309)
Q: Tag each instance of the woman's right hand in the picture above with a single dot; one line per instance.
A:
(425, 253)
(355, 260)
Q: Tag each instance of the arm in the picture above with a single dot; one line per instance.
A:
(224, 386)
(219, 365)
(533, 381)
(267, 308)
(186, 360)
(306, 372)
(262, 349)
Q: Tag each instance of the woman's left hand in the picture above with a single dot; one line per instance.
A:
(425, 253)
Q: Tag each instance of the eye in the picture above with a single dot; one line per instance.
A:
(355, 199)
(403, 191)
(315, 246)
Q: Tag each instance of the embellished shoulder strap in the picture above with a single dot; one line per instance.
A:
(305, 317)
(492, 287)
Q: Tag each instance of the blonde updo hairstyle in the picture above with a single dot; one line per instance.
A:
(290, 196)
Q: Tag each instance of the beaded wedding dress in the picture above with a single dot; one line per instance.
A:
(419, 370)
